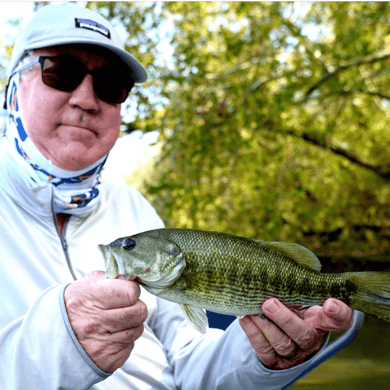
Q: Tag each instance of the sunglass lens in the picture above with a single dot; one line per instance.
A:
(112, 86)
(62, 73)
(65, 73)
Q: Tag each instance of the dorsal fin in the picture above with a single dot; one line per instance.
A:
(295, 252)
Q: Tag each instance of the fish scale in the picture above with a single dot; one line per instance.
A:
(243, 287)
(234, 275)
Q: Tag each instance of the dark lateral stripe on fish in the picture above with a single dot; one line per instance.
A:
(232, 274)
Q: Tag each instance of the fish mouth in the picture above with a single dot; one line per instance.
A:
(112, 262)
(104, 251)
(121, 269)
(163, 278)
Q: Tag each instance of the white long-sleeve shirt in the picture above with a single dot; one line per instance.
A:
(38, 349)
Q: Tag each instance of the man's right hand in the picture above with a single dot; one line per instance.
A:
(106, 316)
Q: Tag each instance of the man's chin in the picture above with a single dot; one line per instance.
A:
(77, 161)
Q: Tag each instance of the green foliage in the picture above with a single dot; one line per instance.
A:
(276, 130)
(273, 117)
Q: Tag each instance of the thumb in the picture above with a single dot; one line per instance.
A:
(334, 315)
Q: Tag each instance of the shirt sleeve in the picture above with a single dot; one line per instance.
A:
(217, 360)
(40, 348)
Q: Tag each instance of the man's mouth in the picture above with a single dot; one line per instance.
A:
(76, 126)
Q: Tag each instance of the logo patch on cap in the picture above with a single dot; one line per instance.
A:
(94, 26)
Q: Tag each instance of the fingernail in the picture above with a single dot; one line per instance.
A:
(271, 307)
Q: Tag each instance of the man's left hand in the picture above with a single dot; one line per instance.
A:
(293, 335)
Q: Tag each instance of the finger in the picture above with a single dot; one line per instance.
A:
(117, 347)
(117, 320)
(280, 342)
(127, 336)
(304, 335)
(334, 315)
(263, 348)
(339, 312)
(116, 293)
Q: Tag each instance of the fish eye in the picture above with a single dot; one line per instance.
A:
(173, 251)
(128, 244)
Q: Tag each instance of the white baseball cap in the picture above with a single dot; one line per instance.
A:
(55, 25)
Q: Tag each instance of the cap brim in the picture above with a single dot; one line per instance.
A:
(138, 72)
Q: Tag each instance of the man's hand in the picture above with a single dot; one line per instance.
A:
(293, 334)
(106, 316)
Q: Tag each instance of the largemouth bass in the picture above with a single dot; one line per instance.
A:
(233, 275)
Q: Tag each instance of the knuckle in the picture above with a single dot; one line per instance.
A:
(139, 331)
(306, 339)
(144, 309)
(265, 349)
(250, 334)
(134, 286)
(137, 313)
(134, 333)
(97, 274)
(72, 302)
(285, 347)
(90, 328)
(143, 312)
(133, 297)
(349, 321)
(345, 318)
(130, 336)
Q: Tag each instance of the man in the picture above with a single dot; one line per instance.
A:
(68, 77)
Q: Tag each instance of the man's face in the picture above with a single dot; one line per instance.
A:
(72, 129)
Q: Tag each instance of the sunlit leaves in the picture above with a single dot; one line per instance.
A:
(273, 117)
(281, 132)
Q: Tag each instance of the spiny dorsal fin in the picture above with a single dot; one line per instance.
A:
(295, 252)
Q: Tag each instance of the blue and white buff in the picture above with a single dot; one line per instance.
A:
(75, 192)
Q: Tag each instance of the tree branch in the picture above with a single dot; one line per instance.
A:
(381, 170)
(375, 93)
(347, 64)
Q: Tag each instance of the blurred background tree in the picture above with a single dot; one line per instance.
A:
(272, 118)
(275, 123)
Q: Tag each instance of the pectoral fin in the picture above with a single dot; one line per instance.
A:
(196, 317)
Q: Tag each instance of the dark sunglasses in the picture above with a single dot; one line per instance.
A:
(66, 73)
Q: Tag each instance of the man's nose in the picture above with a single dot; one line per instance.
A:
(84, 95)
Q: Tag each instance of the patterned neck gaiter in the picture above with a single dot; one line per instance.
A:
(75, 192)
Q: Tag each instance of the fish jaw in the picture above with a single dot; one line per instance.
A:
(112, 264)
(153, 263)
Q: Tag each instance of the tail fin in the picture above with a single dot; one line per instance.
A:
(373, 293)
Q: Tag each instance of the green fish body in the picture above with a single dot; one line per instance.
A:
(234, 275)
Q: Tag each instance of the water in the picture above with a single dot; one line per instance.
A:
(363, 364)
